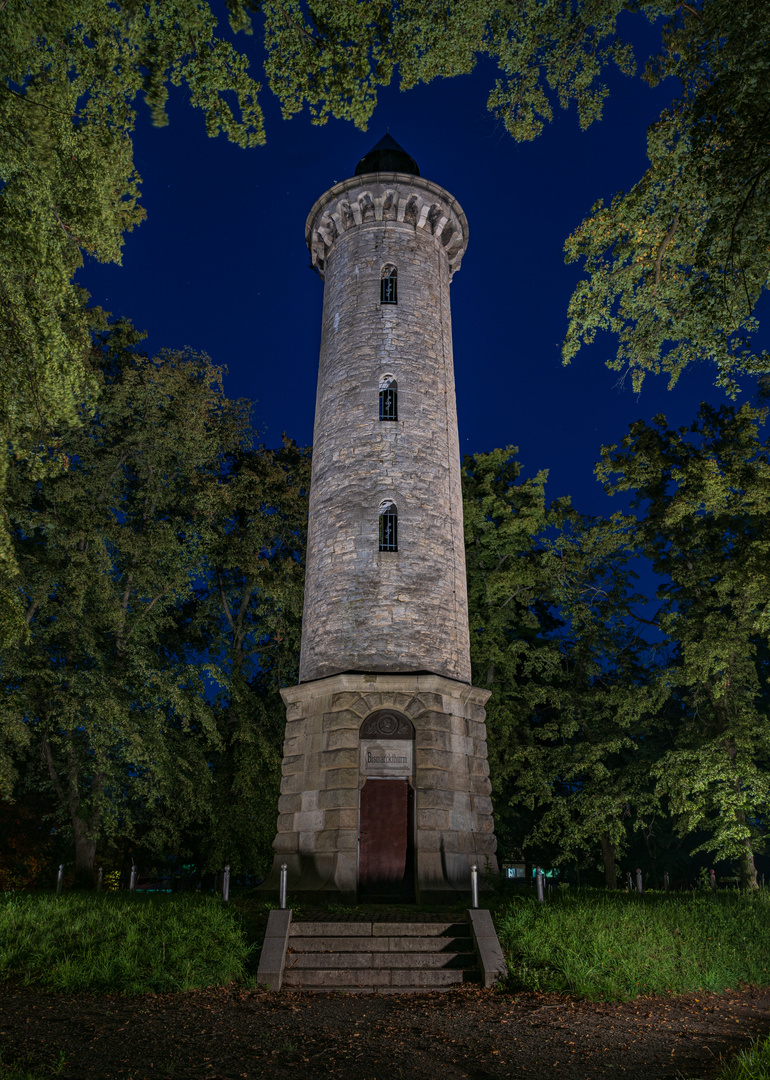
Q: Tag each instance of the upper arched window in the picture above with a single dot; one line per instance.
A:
(388, 526)
(389, 284)
(388, 398)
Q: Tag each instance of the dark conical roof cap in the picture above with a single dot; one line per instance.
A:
(387, 156)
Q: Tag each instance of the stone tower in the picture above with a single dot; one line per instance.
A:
(385, 789)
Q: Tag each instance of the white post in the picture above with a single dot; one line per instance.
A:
(282, 888)
(226, 884)
(474, 886)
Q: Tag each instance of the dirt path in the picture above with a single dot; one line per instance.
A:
(467, 1034)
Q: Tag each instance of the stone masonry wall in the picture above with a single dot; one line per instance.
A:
(367, 610)
(318, 809)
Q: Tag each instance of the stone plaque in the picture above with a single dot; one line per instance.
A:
(386, 757)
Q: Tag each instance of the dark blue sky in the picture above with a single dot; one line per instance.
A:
(220, 264)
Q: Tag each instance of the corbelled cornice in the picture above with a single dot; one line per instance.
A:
(383, 197)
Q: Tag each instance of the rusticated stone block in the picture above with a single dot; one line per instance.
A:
(431, 799)
(433, 779)
(340, 759)
(293, 764)
(342, 778)
(289, 804)
(432, 819)
(337, 840)
(344, 739)
(309, 820)
(425, 758)
(286, 823)
(339, 798)
(342, 819)
(285, 843)
(429, 840)
(335, 721)
(292, 784)
(310, 800)
(482, 804)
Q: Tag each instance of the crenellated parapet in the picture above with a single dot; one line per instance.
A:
(382, 197)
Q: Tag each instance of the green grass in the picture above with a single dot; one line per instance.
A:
(14, 1070)
(615, 947)
(751, 1064)
(123, 944)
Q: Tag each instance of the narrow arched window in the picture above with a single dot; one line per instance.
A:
(388, 526)
(388, 398)
(389, 284)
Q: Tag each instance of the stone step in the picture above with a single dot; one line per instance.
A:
(380, 944)
(374, 960)
(336, 979)
(379, 929)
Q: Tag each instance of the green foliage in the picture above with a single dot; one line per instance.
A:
(751, 1064)
(333, 56)
(677, 265)
(104, 692)
(702, 492)
(71, 77)
(555, 638)
(121, 944)
(249, 617)
(616, 946)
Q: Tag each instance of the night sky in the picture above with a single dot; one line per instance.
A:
(220, 264)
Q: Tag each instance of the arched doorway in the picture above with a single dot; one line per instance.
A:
(386, 808)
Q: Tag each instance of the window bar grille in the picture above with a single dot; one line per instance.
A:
(388, 287)
(389, 531)
(389, 404)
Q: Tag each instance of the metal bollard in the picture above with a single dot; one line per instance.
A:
(713, 877)
(99, 879)
(629, 882)
(665, 880)
(282, 887)
(474, 886)
(60, 879)
(132, 880)
(639, 885)
(539, 886)
(226, 884)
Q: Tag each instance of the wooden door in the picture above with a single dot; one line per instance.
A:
(384, 841)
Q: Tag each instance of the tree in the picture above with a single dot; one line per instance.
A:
(677, 265)
(585, 756)
(703, 495)
(104, 691)
(71, 76)
(248, 617)
(511, 653)
(555, 637)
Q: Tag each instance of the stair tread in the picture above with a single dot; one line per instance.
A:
(381, 944)
(374, 961)
(377, 929)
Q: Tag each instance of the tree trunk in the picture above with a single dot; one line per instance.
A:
(85, 853)
(747, 871)
(608, 858)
